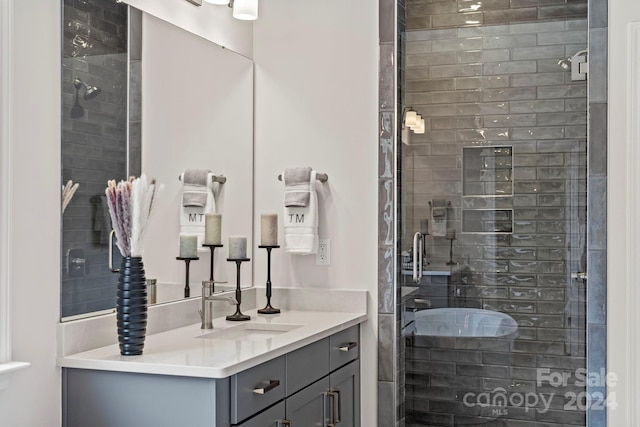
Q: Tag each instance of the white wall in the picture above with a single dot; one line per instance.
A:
(32, 398)
(212, 22)
(316, 105)
(623, 339)
(197, 112)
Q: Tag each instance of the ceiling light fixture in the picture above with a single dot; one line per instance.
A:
(245, 10)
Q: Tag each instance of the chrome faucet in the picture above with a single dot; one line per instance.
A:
(206, 313)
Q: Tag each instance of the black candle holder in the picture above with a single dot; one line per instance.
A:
(269, 309)
(212, 248)
(238, 316)
(187, 262)
(451, 261)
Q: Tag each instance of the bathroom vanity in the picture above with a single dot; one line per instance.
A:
(299, 368)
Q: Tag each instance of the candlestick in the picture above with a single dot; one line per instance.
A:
(238, 316)
(213, 229)
(268, 230)
(237, 247)
(212, 248)
(451, 235)
(187, 262)
(188, 246)
(268, 309)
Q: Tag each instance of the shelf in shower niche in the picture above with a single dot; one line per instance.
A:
(487, 221)
(444, 271)
(487, 171)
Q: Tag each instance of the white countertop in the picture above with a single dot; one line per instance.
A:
(183, 352)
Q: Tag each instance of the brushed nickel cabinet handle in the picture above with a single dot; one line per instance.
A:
(332, 395)
(272, 384)
(348, 346)
(337, 404)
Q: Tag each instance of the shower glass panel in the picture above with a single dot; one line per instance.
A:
(494, 333)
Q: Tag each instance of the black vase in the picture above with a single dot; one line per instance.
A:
(131, 306)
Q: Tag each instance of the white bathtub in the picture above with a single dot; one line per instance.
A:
(464, 322)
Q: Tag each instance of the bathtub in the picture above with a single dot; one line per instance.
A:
(464, 322)
(450, 355)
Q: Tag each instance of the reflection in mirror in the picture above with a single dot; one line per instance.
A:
(170, 103)
(94, 146)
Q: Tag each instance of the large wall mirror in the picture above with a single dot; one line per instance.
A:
(142, 95)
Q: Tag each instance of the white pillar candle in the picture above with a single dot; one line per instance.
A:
(188, 246)
(213, 229)
(269, 229)
(237, 247)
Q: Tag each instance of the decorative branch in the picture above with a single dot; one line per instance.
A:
(68, 191)
(130, 206)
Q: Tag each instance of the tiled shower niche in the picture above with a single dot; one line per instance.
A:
(487, 180)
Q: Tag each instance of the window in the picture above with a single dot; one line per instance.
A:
(6, 364)
(5, 135)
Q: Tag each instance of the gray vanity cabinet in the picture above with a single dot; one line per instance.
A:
(316, 385)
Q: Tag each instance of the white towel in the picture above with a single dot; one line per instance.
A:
(439, 218)
(301, 224)
(192, 218)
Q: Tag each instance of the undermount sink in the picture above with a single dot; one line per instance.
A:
(250, 332)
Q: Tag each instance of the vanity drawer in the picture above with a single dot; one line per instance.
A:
(257, 388)
(344, 347)
(307, 365)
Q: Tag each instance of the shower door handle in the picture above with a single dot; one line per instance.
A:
(418, 248)
(113, 270)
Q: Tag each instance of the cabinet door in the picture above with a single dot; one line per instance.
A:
(345, 384)
(308, 407)
(268, 418)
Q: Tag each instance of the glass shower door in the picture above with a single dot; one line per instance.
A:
(494, 333)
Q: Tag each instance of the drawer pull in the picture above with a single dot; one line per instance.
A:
(272, 384)
(348, 346)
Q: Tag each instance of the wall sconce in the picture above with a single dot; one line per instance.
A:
(413, 121)
(245, 10)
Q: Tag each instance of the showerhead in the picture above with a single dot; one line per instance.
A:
(90, 92)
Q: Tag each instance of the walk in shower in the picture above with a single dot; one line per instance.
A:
(499, 194)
